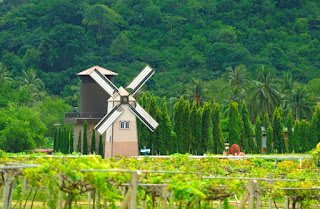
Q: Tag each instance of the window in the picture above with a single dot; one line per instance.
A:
(124, 124)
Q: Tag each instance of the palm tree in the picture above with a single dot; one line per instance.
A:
(30, 81)
(238, 77)
(287, 84)
(197, 91)
(264, 93)
(4, 74)
(300, 103)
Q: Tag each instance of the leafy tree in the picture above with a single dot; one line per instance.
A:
(21, 129)
(278, 135)
(101, 150)
(85, 138)
(315, 124)
(296, 137)
(93, 142)
(217, 144)
(155, 113)
(258, 131)
(55, 139)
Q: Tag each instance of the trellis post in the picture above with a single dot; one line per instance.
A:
(60, 194)
(286, 202)
(134, 186)
(7, 192)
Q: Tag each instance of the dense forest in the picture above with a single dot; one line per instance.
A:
(264, 52)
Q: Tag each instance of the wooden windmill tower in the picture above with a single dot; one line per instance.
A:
(119, 125)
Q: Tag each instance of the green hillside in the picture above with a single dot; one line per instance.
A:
(179, 39)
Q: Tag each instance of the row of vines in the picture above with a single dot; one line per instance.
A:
(62, 181)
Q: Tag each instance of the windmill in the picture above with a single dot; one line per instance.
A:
(119, 124)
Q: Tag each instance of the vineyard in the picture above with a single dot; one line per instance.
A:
(176, 181)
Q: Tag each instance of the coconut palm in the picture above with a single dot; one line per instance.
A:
(264, 93)
(300, 103)
(4, 74)
(197, 91)
(30, 81)
(238, 77)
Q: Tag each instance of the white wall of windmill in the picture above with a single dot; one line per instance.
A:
(109, 135)
(125, 141)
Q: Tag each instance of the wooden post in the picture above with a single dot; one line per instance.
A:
(251, 190)
(258, 202)
(7, 191)
(98, 199)
(171, 200)
(164, 197)
(270, 203)
(60, 194)
(220, 204)
(286, 202)
(89, 199)
(134, 186)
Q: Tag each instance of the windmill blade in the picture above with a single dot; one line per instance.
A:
(143, 116)
(104, 82)
(108, 119)
(138, 82)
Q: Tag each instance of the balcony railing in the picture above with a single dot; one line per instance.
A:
(92, 115)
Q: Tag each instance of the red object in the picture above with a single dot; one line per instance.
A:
(235, 149)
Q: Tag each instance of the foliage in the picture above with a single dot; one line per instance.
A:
(250, 144)
(85, 138)
(258, 133)
(278, 135)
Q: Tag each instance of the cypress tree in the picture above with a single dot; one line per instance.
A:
(186, 140)
(155, 113)
(79, 142)
(179, 124)
(278, 135)
(143, 131)
(315, 130)
(61, 140)
(289, 123)
(165, 130)
(258, 135)
(296, 137)
(249, 145)
(206, 140)
(66, 141)
(236, 129)
(193, 126)
(305, 142)
(217, 137)
(71, 141)
(93, 142)
(269, 133)
(198, 144)
(101, 150)
(55, 140)
(85, 138)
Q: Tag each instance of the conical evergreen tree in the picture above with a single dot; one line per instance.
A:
(198, 144)
(217, 137)
(55, 140)
(236, 129)
(305, 142)
(143, 131)
(296, 137)
(193, 126)
(93, 142)
(167, 145)
(289, 123)
(59, 139)
(66, 141)
(79, 142)
(85, 138)
(206, 139)
(258, 135)
(186, 128)
(101, 150)
(155, 113)
(269, 133)
(250, 144)
(179, 124)
(316, 126)
(278, 135)
(71, 141)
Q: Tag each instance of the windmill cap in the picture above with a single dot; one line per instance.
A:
(102, 70)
